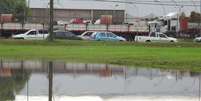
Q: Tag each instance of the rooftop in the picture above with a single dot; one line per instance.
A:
(69, 4)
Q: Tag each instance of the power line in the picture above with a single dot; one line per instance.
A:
(164, 3)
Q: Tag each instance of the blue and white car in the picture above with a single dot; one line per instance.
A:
(106, 36)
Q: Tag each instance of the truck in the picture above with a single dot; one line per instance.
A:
(155, 37)
(32, 34)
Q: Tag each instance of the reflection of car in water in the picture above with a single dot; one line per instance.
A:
(65, 35)
(107, 36)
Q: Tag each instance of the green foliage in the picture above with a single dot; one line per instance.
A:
(195, 17)
(16, 7)
(14, 84)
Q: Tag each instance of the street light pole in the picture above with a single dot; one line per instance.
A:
(51, 20)
(200, 19)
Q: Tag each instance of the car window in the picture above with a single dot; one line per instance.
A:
(32, 33)
(102, 34)
(111, 35)
(43, 31)
(69, 34)
(162, 36)
(88, 34)
(153, 34)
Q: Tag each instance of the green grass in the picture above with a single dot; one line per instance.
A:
(184, 56)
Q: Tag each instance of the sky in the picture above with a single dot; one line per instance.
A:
(137, 10)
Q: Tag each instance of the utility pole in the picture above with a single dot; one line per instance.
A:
(200, 19)
(50, 77)
(51, 36)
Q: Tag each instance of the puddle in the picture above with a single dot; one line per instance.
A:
(29, 81)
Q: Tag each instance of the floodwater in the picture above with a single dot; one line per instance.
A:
(30, 80)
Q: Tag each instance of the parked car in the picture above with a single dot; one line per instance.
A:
(77, 21)
(197, 39)
(155, 37)
(65, 35)
(32, 34)
(87, 35)
(106, 36)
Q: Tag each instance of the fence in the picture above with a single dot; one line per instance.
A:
(19, 26)
(112, 28)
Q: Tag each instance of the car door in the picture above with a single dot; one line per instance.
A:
(31, 35)
(40, 36)
(154, 37)
(163, 38)
(111, 37)
(102, 36)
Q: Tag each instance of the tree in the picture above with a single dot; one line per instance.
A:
(195, 17)
(16, 7)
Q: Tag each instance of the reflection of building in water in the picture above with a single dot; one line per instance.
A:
(5, 72)
(102, 70)
(122, 81)
(61, 67)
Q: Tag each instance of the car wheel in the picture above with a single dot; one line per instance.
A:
(171, 41)
(148, 41)
(19, 38)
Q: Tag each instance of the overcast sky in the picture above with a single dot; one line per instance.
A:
(131, 9)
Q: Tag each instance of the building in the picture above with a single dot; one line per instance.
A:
(66, 10)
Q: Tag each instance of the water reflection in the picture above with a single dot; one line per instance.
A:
(28, 80)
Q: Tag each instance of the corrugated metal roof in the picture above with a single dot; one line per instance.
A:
(69, 4)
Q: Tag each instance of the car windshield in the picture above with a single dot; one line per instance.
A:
(88, 34)
(32, 33)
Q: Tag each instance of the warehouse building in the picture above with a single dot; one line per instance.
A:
(66, 10)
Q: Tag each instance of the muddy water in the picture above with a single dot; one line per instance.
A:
(29, 81)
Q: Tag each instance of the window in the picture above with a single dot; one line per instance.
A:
(102, 35)
(111, 35)
(153, 34)
(32, 33)
(88, 34)
(162, 35)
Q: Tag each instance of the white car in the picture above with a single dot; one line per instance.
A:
(86, 35)
(32, 34)
(197, 39)
(155, 37)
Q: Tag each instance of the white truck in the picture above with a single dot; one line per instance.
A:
(32, 34)
(155, 37)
